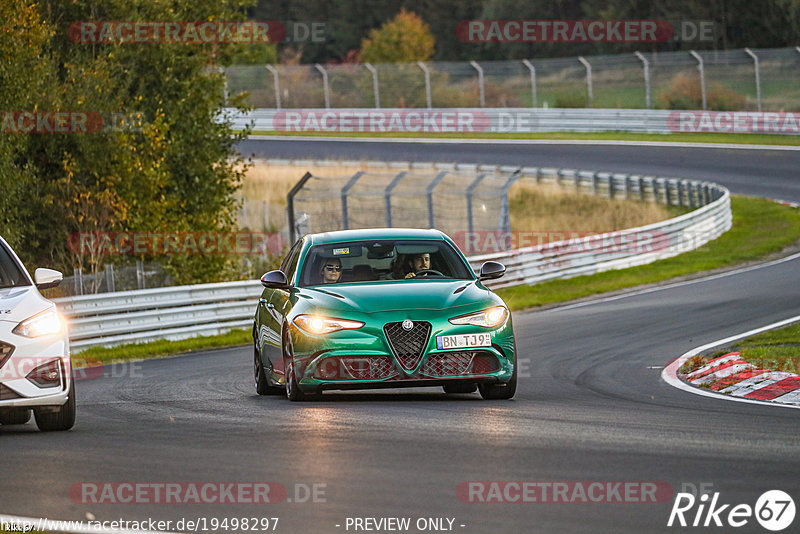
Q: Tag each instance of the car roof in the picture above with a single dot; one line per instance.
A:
(375, 233)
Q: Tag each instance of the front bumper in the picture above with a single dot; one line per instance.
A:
(364, 358)
(16, 390)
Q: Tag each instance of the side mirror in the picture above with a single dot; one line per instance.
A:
(491, 270)
(275, 280)
(47, 278)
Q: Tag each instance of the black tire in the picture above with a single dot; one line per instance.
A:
(293, 391)
(460, 388)
(15, 416)
(263, 387)
(61, 419)
(500, 391)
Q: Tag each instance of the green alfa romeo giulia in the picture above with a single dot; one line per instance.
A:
(381, 308)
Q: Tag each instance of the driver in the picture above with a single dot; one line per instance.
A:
(331, 271)
(418, 262)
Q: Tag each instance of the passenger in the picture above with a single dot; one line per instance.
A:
(331, 271)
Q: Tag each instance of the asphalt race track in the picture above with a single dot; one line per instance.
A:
(590, 404)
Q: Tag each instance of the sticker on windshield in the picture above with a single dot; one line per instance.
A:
(339, 251)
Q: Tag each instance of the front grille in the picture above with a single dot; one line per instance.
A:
(8, 393)
(408, 345)
(5, 352)
(460, 363)
(355, 368)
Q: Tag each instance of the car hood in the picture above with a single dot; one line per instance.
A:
(377, 297)
(19, 303)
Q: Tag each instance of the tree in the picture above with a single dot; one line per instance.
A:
(405, 38)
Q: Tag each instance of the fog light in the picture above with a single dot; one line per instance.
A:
(47, 375)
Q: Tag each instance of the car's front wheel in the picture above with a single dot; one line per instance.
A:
(263, 386)
(63, 418)
(15, 416)
(500, 391)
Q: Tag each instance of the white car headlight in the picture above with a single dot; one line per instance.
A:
(490, 317)
(45, 323)
(318, 325)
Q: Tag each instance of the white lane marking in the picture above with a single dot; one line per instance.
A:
(665, 287)
(479, 141)
(670, 372)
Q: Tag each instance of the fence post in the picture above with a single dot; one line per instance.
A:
(346, 189)
(702, 70)
(77, 275)
(641, 189)
(480, 81)
(588, 79)
(290, 206)
(667, 194)
(276, 83)
(140, 274)
(505, 216)
(375, 88)
(758, 76)
(325, 89)
(110, 287)
(534, 100)
(424, 68)
(646, 66)
(431, 186)
(388, 194)
(470, 191)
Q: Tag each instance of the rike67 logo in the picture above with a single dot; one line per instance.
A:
(774, 510)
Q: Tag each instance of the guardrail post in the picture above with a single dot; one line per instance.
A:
(431, 187)
(646, 67)
(641, 189)
(326, 91)
(758, 76)
(110, 288)
(532, 69)
(290, 206)
(375, 89)
(706, 194)
(654, 185)
(702, 71)
(276, 83)
(595, 179)
(345, 190)
(667, 193)
(610, 185)
(425, 70)
(505, 216)
(680, 193)
(480, 81)
(627, 186)
(388, 194)
(470, 191)
(588, 79)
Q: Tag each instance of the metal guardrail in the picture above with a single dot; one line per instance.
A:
(179, 312)
(511, 120)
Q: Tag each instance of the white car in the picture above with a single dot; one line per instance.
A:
(35, 366)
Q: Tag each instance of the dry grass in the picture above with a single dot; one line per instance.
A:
(554, 210)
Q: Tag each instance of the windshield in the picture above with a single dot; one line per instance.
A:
(11, 275)
(389, 260)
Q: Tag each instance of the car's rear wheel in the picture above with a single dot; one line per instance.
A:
(15, 416)
(263, 386)
(500, 391)
(460, 388)
(63, 418)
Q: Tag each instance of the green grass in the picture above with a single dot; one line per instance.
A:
(156, 349)
(742, 139)
(760, 227)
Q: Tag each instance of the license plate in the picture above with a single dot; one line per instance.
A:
(463, 341)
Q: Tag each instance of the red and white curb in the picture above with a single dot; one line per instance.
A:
(731, 378)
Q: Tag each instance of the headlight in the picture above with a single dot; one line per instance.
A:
(318, 325)
(42, 324)
(490, 317)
